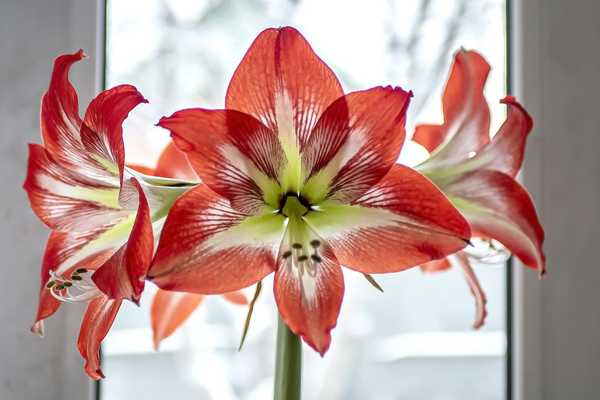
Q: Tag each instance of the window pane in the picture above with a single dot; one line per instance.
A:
(413, 341)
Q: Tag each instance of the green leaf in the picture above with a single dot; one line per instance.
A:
(249, 315)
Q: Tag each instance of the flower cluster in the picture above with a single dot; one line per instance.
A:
(293, 177)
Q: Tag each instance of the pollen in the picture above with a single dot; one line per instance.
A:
(316, 258)
(315, 243)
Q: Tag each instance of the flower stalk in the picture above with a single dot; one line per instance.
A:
(288, 364)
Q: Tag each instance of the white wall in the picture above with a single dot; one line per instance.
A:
(557, 65)
(32, 33)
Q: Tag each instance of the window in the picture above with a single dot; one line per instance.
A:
(413, 341)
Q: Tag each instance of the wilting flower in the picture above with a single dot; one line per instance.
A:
(298, 180)
(102, 240)
(477, 172)
(169, 309)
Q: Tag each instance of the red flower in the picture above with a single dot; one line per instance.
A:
(477, 172)
(298, 179)
(102, 243)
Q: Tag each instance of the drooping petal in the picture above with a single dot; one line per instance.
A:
(466, 113)
(97, 321)
(355, 143)
(236, 297)
(232, 152)
(123, 275)
(102, 132)
(506, 150)
(284, 84)
(173, 163)
(401, 222)
(498, 207)
(475, 287)
(62, 246)
(169, 311)
(208, 247)
(308, 285)
(60, 121)
(64, 200)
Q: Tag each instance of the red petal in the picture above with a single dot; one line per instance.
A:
(102, 132)
(53, 192)
(169, 311)
(59, 248)
(279, 66)
(173, 163)
(436, 266)
(123, 275)
(401, 222)
(310, 305)
(476, 289)
(466, 113)
(229, 150)
(202, 248)
(505, 152)
(97, 320)
(357, 140)
(236, 297)
(142, 169)
(60, 120)
(498, 207)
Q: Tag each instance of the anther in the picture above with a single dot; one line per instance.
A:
(316, 258)
(297, 246)
(50, 284)
(76, 277)
(315, 243)
(67, 284)
(286, 254)
(60, 287)
(302, 258)
(81, 271)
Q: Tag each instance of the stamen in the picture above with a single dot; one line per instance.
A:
(302, 258)
(316, 258)
(80, 287)
(287, 254)
(315, 243)
(297, 246)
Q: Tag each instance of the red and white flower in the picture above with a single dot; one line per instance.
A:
(298, 180)
(477, 172)
(101, 243)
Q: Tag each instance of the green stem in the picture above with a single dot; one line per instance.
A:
(288, 364)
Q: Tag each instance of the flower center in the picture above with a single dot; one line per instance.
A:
(293, 205)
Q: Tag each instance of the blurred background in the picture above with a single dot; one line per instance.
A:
(182, 54)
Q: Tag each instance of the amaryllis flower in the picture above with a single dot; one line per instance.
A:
(169, 309)
(298, 180)
(102, 241)
(477, 172)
